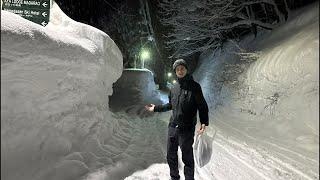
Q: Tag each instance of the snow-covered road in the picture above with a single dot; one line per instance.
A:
(237, 154)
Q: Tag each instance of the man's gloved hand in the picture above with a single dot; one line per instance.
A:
(150, 107)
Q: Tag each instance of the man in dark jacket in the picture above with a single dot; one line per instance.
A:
(185, 98)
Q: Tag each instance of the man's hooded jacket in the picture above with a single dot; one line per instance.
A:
(185, 98)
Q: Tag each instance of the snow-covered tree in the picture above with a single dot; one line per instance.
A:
(200, 25)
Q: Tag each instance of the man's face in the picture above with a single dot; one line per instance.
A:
(181, 71)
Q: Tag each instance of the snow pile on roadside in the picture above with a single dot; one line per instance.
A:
(133, 87)
(270, 98)
(55, 83)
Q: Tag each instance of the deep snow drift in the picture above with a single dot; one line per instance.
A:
(277, 98)
(272, 103)
(55, 118)
(135, 87)
(55, 83)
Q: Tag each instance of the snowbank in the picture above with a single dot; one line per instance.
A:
(133, 87)
(55, 83)
(272, 101)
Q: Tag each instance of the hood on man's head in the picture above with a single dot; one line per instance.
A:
(179, 62)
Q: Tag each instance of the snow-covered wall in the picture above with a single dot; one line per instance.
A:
(133, 87)
(55, 83)
(272, 101)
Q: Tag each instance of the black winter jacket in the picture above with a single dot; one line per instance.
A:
(185, 98)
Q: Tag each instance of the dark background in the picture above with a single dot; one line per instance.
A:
(124, 22)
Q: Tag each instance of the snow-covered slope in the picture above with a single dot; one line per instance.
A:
(55, 82)
(271, 103)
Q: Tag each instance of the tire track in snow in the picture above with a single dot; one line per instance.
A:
(261, 140)
(282, 164)
(241, 161)
(267, 142)
(285, 165)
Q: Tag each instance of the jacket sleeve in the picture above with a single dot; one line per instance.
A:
(202, 106)
(164, 107)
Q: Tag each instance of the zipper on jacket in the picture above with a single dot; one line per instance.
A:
(178, 104)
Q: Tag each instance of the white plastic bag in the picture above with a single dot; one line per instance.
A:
(202, 149)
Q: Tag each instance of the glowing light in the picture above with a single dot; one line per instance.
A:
(144, 54)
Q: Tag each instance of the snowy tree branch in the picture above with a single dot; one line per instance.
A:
(199, 25)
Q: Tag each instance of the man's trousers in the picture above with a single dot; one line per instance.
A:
(184, 139)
